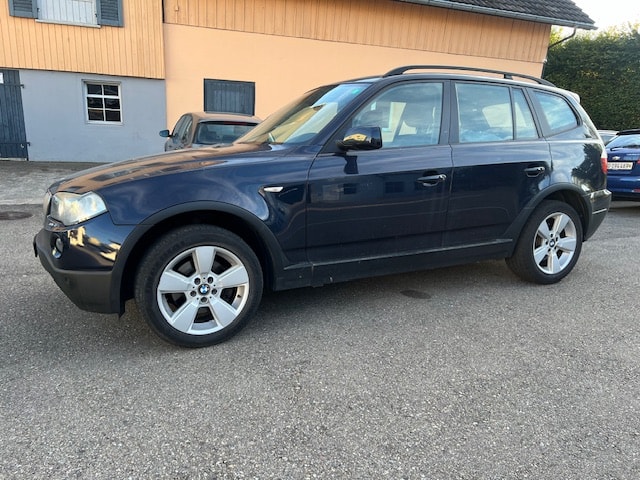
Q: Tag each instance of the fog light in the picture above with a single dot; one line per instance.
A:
(58, 247)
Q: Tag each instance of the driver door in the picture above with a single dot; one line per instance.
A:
(387, 202)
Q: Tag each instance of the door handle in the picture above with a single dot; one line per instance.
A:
(431, 180)
(534, 171)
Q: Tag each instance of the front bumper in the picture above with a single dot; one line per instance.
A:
(83, 261)
(89, 290)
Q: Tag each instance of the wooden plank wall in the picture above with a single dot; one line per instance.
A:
(370, 22)
(134, 50)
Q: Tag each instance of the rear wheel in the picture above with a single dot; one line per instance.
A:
(549, 245)
(198, 285)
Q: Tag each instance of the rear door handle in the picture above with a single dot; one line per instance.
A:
(431, 180)
(534, 171)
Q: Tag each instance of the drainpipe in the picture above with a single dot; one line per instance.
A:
(562, 40)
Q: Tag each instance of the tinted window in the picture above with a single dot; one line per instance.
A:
(484, 113)
(408, 115)
(555, 109)
(525, 126)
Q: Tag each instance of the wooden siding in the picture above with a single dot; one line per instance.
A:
(370, 22)
(134, 50)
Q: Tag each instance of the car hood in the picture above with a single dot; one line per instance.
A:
(163, 164)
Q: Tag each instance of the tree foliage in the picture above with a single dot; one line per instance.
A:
(604, 69)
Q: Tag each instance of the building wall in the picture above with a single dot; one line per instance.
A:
(56, 125)
(285, 67)
(132, 50)
(370, 22)
(290, 46)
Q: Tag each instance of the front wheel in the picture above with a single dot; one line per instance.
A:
(549, 245)
(198, 285)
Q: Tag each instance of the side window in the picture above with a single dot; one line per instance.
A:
(408, 115)
(525, 125)
(179, 131)
(484, 113)
(184, 135)
(559, 115)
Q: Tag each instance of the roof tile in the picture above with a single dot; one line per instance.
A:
(563, 13)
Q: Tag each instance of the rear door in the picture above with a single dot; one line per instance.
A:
(500, 161)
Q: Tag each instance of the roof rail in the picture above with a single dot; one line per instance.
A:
(508, 75)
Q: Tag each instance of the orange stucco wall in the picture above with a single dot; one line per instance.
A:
(284, 67)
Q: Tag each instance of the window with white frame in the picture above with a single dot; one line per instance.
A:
(80, 12)
(103, 102)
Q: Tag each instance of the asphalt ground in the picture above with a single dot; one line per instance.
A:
(25, 182)
(457, 373)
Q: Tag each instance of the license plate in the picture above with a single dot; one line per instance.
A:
(619, 165)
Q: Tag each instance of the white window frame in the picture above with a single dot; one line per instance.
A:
(104, 97)
(68, 12)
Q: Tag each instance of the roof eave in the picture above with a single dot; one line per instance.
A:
(502, 13)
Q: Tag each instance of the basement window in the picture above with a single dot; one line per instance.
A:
(103, 102)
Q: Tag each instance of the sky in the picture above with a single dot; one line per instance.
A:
(608, 13)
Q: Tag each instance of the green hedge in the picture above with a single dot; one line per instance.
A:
(605, 71)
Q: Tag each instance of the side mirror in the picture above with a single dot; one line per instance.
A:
(164, 133)
(361, 138)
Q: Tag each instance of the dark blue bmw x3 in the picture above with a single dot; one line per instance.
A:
(371, 176)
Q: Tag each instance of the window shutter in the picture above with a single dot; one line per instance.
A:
(23, 8)
(110, 12)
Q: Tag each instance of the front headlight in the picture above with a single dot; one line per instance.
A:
(71, 208)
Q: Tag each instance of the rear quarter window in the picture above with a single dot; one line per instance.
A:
(557, 112)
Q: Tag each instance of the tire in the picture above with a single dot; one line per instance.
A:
(198, 285)
(549, 245)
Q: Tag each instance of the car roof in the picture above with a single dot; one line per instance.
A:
(456, 72)
(630, 131)
(451, 71)
(224, 117)
(457, 68)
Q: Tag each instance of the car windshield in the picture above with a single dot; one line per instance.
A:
(301, 120)
(625, 141)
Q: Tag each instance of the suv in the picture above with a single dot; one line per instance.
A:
(371, 176)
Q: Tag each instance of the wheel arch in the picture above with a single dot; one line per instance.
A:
(240, 222)
(566, 193)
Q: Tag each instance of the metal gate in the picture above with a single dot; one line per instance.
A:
(13, 136)
(229, 96)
